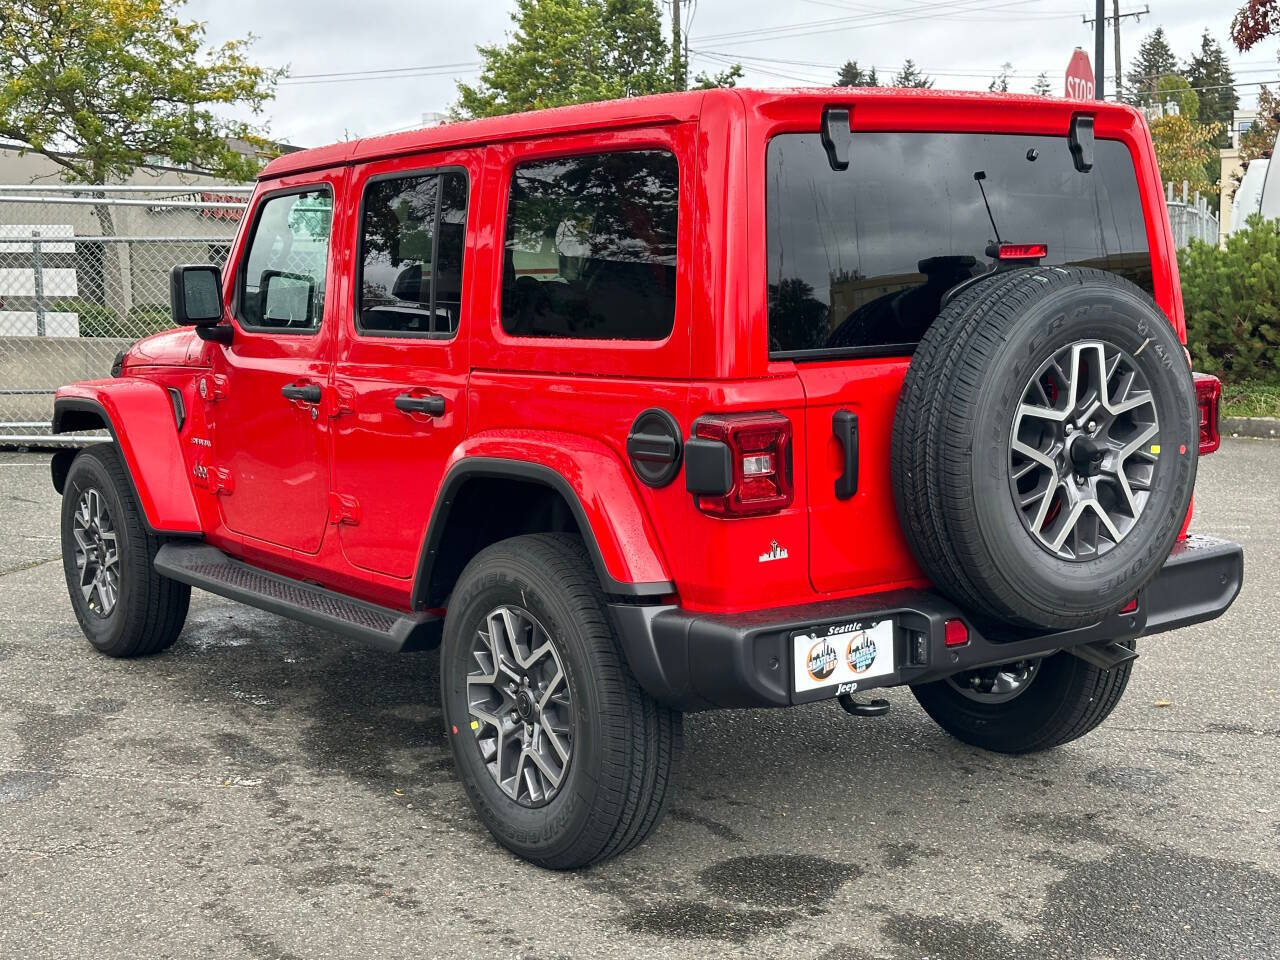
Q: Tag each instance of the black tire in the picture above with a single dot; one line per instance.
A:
(625, 745)
(149, 610)
(1063, 701)
(951, 445)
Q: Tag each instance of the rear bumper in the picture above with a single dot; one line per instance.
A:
(702, 661)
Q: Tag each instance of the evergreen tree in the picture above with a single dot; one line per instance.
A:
(852, 75)
(1209, 73)
(910, 76)
(1155, 59)
(1000, 82)
(1042, 88)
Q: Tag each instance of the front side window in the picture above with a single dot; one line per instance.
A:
(412, 237)
(860, 259)
(591, 247)
(282, 286)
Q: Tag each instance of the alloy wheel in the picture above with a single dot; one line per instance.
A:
(1083, 450)
(520, 706)
(97, 553)
(998, 684)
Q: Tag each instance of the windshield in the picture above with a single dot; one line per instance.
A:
(859, 259)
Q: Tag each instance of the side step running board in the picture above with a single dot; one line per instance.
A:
(210, 569)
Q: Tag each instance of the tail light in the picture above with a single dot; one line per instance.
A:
(1021, 251)
(739, 464)
(1208, 395)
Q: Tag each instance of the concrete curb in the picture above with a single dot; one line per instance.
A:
(1266, 428)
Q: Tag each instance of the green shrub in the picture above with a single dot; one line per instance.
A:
(146, 319)
(96, 320)
(1232, 302)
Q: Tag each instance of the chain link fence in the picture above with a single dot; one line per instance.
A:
(84, 271)
(1190, 216)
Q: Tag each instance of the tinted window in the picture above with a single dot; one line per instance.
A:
(412, 237)
(283, 280)
(860, 258)
(591, 247)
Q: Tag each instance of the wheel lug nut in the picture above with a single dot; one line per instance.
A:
(1070, 428)
(1092, 426)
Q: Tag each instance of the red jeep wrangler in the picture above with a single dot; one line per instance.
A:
(715, 399)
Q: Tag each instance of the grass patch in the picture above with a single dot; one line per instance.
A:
(1251, 399)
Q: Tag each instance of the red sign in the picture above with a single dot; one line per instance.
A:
(1079, 76)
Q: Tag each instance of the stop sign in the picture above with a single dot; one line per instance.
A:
(1079, 76)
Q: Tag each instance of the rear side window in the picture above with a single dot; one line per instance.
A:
(591, 247)
(412, 237)
(282, 286)
(859, 259)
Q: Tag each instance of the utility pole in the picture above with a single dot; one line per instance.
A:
(1100, 51)
(679, 72)
(1115, 23)
(1099, 23)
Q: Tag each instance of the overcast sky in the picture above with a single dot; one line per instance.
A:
(424, 46)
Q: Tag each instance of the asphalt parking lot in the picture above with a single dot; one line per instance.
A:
(264, 790)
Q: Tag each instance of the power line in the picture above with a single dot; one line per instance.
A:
(837, 24)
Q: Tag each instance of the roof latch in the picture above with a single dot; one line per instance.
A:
(837, 136)
(1081, 141)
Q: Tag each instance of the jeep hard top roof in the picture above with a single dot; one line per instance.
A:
(914, 108)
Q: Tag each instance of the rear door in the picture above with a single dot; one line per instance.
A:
(859, 261)
(400, 379)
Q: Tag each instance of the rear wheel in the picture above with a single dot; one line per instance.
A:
(1027, 705)
(566, 760)
(124, 607)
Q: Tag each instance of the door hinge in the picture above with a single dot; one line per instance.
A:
(212, 387)
(344, 508)
(343, 400)
(217, 480)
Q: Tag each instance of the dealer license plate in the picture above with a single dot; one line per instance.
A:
(844, 656)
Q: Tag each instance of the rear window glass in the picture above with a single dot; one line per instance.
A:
(859, 259)
(411, 240)
(591, 247)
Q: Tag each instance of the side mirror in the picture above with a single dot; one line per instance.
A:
(195, 295)
(287, 298)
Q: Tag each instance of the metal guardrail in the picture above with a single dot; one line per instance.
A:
(84, 270)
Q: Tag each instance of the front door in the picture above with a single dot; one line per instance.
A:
(400, 375)
(270, 427)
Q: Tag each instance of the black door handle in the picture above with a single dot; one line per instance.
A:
(844, 424)
(432, 405)
(306, 392)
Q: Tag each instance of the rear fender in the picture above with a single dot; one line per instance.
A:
(594, 483)
(139, 416)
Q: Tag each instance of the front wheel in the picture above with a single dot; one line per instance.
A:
(1027, 705)
(566, 760)
(125, 608)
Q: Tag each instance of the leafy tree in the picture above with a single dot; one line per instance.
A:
(1000, 82)
(1042, 88)
(1184, 150)
(1155, 59)
(100, 86)
(577, 51)
(1254, 22)
(725, 78)
(1260, 139)
(910, 76)
(852, 75)
(1232, 302)
(1174, 89)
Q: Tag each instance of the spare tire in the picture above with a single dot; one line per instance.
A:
(1045, 444)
